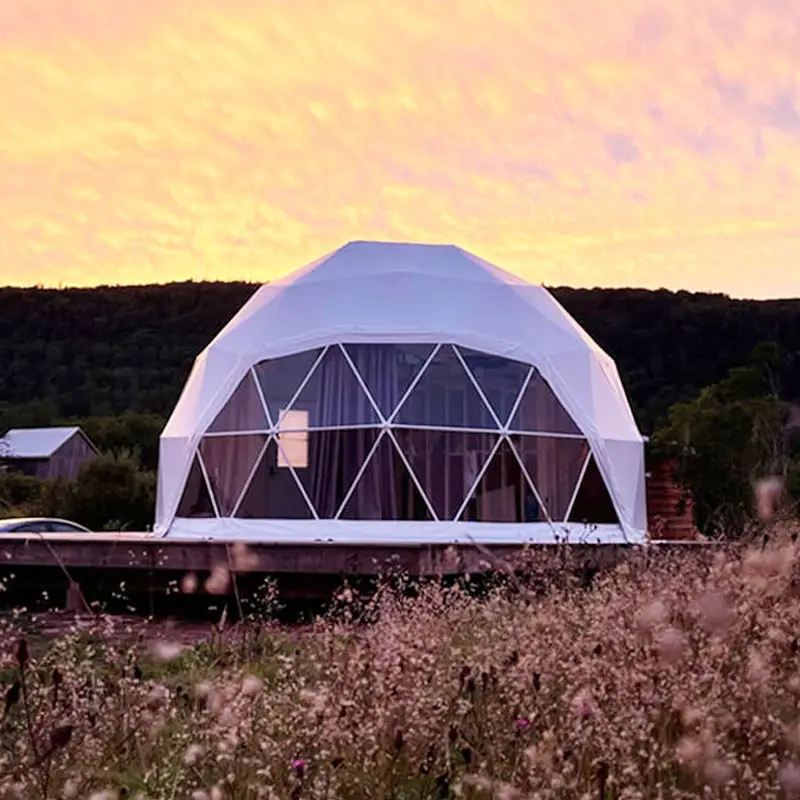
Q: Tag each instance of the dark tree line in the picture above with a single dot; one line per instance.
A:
(103, 351)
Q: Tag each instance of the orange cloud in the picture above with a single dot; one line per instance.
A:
(649, 144)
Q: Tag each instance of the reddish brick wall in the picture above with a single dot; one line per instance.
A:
(667, 516)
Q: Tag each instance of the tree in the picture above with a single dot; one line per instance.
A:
(111, 492)
(731, 435)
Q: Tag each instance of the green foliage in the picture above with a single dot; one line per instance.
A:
(113, 489)
(111, 492)
(731, 435)
(16, 490)
(131, 431)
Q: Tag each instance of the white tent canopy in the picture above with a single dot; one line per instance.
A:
(470, 315)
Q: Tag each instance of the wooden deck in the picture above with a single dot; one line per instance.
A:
(65, 570)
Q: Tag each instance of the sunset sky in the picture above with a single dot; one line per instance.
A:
(627, 143)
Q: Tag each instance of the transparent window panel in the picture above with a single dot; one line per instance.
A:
(327, 463)
(333, 397)
(385, 489)
(554, 465)
(388, 369)
(503, 494)
(229, 460)
(593, 504)
(445, 396)
(500, 379)
(540, 411)
(445, 463)
(280, 378)
(244, 411)
(273, 492)
(196, 500)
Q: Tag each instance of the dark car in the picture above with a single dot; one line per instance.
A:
(40, 525)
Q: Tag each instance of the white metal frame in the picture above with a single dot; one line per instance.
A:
(387, 426)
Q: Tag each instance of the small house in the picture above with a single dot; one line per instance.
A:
(46, 453)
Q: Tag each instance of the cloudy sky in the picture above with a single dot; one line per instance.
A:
(649, 143)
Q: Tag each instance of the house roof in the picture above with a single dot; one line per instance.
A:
(35, 442)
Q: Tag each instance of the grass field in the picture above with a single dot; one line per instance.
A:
(671, 677)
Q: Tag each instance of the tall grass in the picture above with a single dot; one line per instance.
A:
(672, 676)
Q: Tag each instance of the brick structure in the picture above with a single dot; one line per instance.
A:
(669, 509)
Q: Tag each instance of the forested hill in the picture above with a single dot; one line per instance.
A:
(79, 352)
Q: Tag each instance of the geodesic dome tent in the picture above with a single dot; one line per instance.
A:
(402, 393)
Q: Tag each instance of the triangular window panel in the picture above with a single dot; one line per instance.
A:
(385, 490)
(503, 494)
(327, 462)
(280, 378)
(273, 493)
(244, 410)
(554, 466)
(445, 397)
(332, 398)
(196, 500)
(500, 379)
(388, 370)
(593, 504)
(229, 462)
(445, 463)
(540, 411)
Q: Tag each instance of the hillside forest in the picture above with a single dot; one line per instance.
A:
(710, 379)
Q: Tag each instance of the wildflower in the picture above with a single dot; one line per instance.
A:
(218, 581)
(717, 771)
(299, 767)
(768, 492)
(163, 650)
(715, 612)
(757, 669)
(244, 559)
(522, 724)
(671, 646)
(689, 750)
(252, 685)
(582, 704)
(156, 697)
(789, 778)
(650, 616)
(193, 755)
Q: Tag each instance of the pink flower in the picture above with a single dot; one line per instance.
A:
(523, 724)
(299, 766)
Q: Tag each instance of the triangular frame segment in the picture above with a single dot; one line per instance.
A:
(501, 380)
(554, 465)
(243, 411)
(229, 463)
(445, 396)
(592, 503)
(281, 379)
(539, 411)
(386, 377)
(331, 397)
(385, 489)
(273, 491)
(196, 484)
(502, 493)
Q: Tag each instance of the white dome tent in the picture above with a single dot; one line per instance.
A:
(402, 393)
